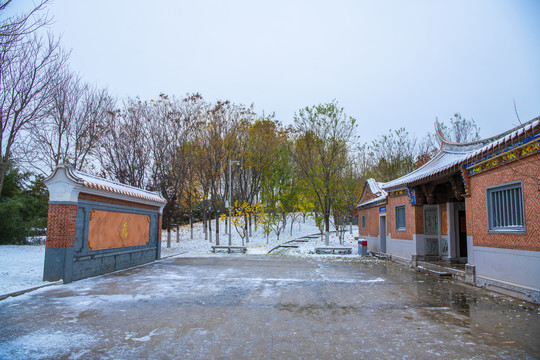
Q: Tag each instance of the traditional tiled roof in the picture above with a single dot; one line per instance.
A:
(375, 188)
(118, 188)
(94, 182)
(452, 155)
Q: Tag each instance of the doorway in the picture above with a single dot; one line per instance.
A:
(382, 233)
(431, 230)
(462, 233)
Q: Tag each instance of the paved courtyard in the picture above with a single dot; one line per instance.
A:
(267, 307)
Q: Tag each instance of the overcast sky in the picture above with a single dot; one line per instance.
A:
(388, 63)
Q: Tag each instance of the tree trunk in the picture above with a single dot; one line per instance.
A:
(205, 225)
(3, 168)
(246, 228)
(168, 237)
(327, 222)
(191, 223)
(177, 234)
(210, 226)
(292, 224)
(249, 219)
(217, 228)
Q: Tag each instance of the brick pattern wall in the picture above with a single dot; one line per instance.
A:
(410, 219)
(61, 225)
(160, 224)
(526, 170)
(106, 200)
(372, 222)
(417, 212)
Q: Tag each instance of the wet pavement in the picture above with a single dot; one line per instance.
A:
(267, 307)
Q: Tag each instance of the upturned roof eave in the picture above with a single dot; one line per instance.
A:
(464, 152)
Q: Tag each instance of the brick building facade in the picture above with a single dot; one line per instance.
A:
(476, 203)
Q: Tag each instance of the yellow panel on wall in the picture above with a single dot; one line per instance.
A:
(444, 224)
(110, 229)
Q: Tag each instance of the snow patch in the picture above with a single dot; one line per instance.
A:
(142, 338)
(45, 345)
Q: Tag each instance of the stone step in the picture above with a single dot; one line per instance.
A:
(441, 270)
(434, 272)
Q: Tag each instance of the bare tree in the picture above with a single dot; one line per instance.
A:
(52, 139)
(93, 122)
(125, 152)
(76, 118)
(392, 155)
(191, 109)
(28, 80)
(170, 133)
(14, 29)
(461, 130)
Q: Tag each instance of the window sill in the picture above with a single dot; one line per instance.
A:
(507, 231)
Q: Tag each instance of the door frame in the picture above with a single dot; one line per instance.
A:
(437, 236)
(382, 235)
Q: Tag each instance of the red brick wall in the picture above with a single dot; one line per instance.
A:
(526, 170)
(61, 225)
(418, 219)
(372, 222)
(410, 218)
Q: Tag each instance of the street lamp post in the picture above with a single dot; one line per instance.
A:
(230, 195)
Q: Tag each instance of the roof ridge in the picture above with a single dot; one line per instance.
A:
(115, 182)
(477, 143)
(449, 158)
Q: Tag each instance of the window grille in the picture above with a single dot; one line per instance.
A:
(505, 208)
(400, 218)
(363, 221)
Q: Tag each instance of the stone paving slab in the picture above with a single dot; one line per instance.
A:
(267, 307)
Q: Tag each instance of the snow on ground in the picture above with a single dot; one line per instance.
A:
(258, 243)
(21, 267)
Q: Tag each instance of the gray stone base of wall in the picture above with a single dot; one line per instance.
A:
(57, 261)
(93, 265)
(63, 264)
(469, 277)
(401, 260)
(519, 292)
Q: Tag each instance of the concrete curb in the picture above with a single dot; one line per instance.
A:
(21, 292)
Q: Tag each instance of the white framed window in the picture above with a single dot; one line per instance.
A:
(505, 208)
(400, 218)
(363, 221)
